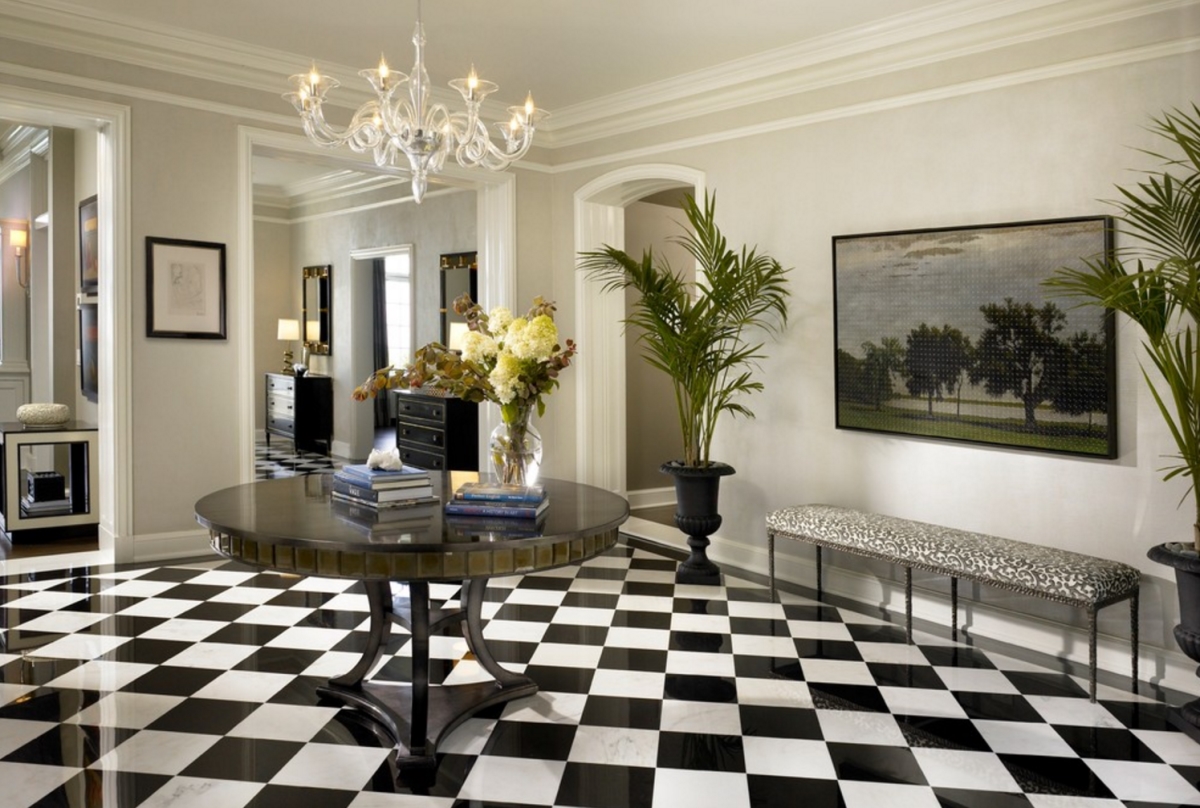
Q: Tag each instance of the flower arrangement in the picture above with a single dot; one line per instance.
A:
(511, 361)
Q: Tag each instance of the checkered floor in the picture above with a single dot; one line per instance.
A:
(194, 685)
(280, 459)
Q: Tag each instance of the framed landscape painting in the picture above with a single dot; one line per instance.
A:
(949, 334)
(89, 246)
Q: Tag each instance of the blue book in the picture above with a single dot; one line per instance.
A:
(499, 492)
(369, 476)
(460, 507)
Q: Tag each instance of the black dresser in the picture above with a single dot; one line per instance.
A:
(300, 408)
(435, 432)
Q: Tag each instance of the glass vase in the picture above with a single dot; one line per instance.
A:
(516, 450)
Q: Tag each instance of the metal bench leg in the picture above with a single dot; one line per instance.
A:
(1092, 651)
(818, 572)
(908, 602)
(771, 561)
(1133, 634)
(954, 609)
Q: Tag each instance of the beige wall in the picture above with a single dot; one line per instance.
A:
(652, 435)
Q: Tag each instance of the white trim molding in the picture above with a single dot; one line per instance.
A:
(600, 400)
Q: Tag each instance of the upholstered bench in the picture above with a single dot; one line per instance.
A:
(1030, 569)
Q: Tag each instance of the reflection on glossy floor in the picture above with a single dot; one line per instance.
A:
(195, 685)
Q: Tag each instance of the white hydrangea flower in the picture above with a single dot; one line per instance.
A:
(499, 319)
(541, 335)
(478, 347)
(504, 377)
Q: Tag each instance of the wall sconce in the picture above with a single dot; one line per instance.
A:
(19, 239)
(289, 332)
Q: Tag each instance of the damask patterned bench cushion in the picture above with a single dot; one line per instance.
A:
(1048, 571)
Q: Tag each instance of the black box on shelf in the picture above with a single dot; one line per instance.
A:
(45, 485)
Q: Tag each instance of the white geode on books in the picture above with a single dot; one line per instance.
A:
(43, 414)
(388, 459)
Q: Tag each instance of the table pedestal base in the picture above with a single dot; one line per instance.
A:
(417, 717)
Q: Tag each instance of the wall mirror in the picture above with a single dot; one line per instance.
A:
(318, 309)
(459, 276)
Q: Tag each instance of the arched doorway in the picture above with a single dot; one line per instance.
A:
(600, 407)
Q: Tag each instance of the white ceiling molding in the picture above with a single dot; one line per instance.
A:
(918, 39)
(1132, 56)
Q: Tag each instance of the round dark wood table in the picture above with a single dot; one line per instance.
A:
(292, 526)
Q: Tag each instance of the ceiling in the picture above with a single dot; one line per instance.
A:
(567, 52)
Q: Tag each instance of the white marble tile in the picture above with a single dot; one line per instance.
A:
(1023, 738)
(654, 639)
(866, 794)
(1073, 712)
(25, 784)
(1144, 782)
(582, 616)
(335, 663)
(156, 752)
(515, 630)
(198, 792)
(710, 718)
(15, 733)
(690, 788)
(233, 578)
(919, 701)
(547, 707)
(1173, 747)
(320, 765)
(314, 584)
(308, 638)
(101, 675)
(139, 589)
(618, 746)
(699, 663)
(536, 597)
(629, 684)
(215, 655)
(788, 757)
(82, 646)
(819, 630)
(47, 601)
(496, 779)
(375, 799)
(596, 586)
(859, 726)
(348, 602)
(961, 768)
(756, 609)
(244, 686)
(567, 655)
(63, 622)
(284, 722)
(469, 738)
(976, 680)
(183, 630)
(645, 603)
(159, 607)
(129, 710)
(275, 615)
(892, 653)
(773, 692)
(837, 671)
(703, 623)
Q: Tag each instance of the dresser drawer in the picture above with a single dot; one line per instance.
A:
(281, 384)
(284, 406)
(409, 432)
(284, 425)
(425, 410)
(422, 460)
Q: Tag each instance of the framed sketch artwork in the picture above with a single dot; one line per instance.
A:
(89, 353)
(950, 334)
(89, 246)
(185, 289)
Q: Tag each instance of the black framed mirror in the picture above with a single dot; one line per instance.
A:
(318, 309)
(460, 272)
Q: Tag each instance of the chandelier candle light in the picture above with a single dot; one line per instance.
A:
(397, 123)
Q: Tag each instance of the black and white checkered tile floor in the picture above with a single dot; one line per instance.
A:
(280, 459)
(193, 684)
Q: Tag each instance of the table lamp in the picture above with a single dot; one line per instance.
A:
(458, 333)
(289, 332)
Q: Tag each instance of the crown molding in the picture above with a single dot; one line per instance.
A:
(954, 30)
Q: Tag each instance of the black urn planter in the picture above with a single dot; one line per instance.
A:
(697, 489)
(1186, 563)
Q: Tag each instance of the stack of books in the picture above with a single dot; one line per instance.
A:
(44, 507)
(498, 501)
(381, 489)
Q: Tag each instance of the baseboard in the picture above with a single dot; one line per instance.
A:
(167, 546)
(339, 448)
(651, 497)
(1163, 667)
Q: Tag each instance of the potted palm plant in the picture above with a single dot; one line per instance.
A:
(1156, 284)
(702, 334)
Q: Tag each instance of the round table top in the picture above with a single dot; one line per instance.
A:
(293, 525)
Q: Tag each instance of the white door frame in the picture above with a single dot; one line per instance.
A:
(600, 403)
(115, 295)
(496, 234)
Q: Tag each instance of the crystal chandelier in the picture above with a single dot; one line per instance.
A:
(398, 122)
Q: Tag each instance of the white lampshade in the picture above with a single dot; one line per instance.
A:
(458, 334)
(312, 331)
(18, 239)
(289, 330)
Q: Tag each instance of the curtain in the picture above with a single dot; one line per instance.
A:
(379, 333)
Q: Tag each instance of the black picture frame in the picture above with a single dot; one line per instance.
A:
(949, 334)
(89, 351)
(185, 289)
(89, 246)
